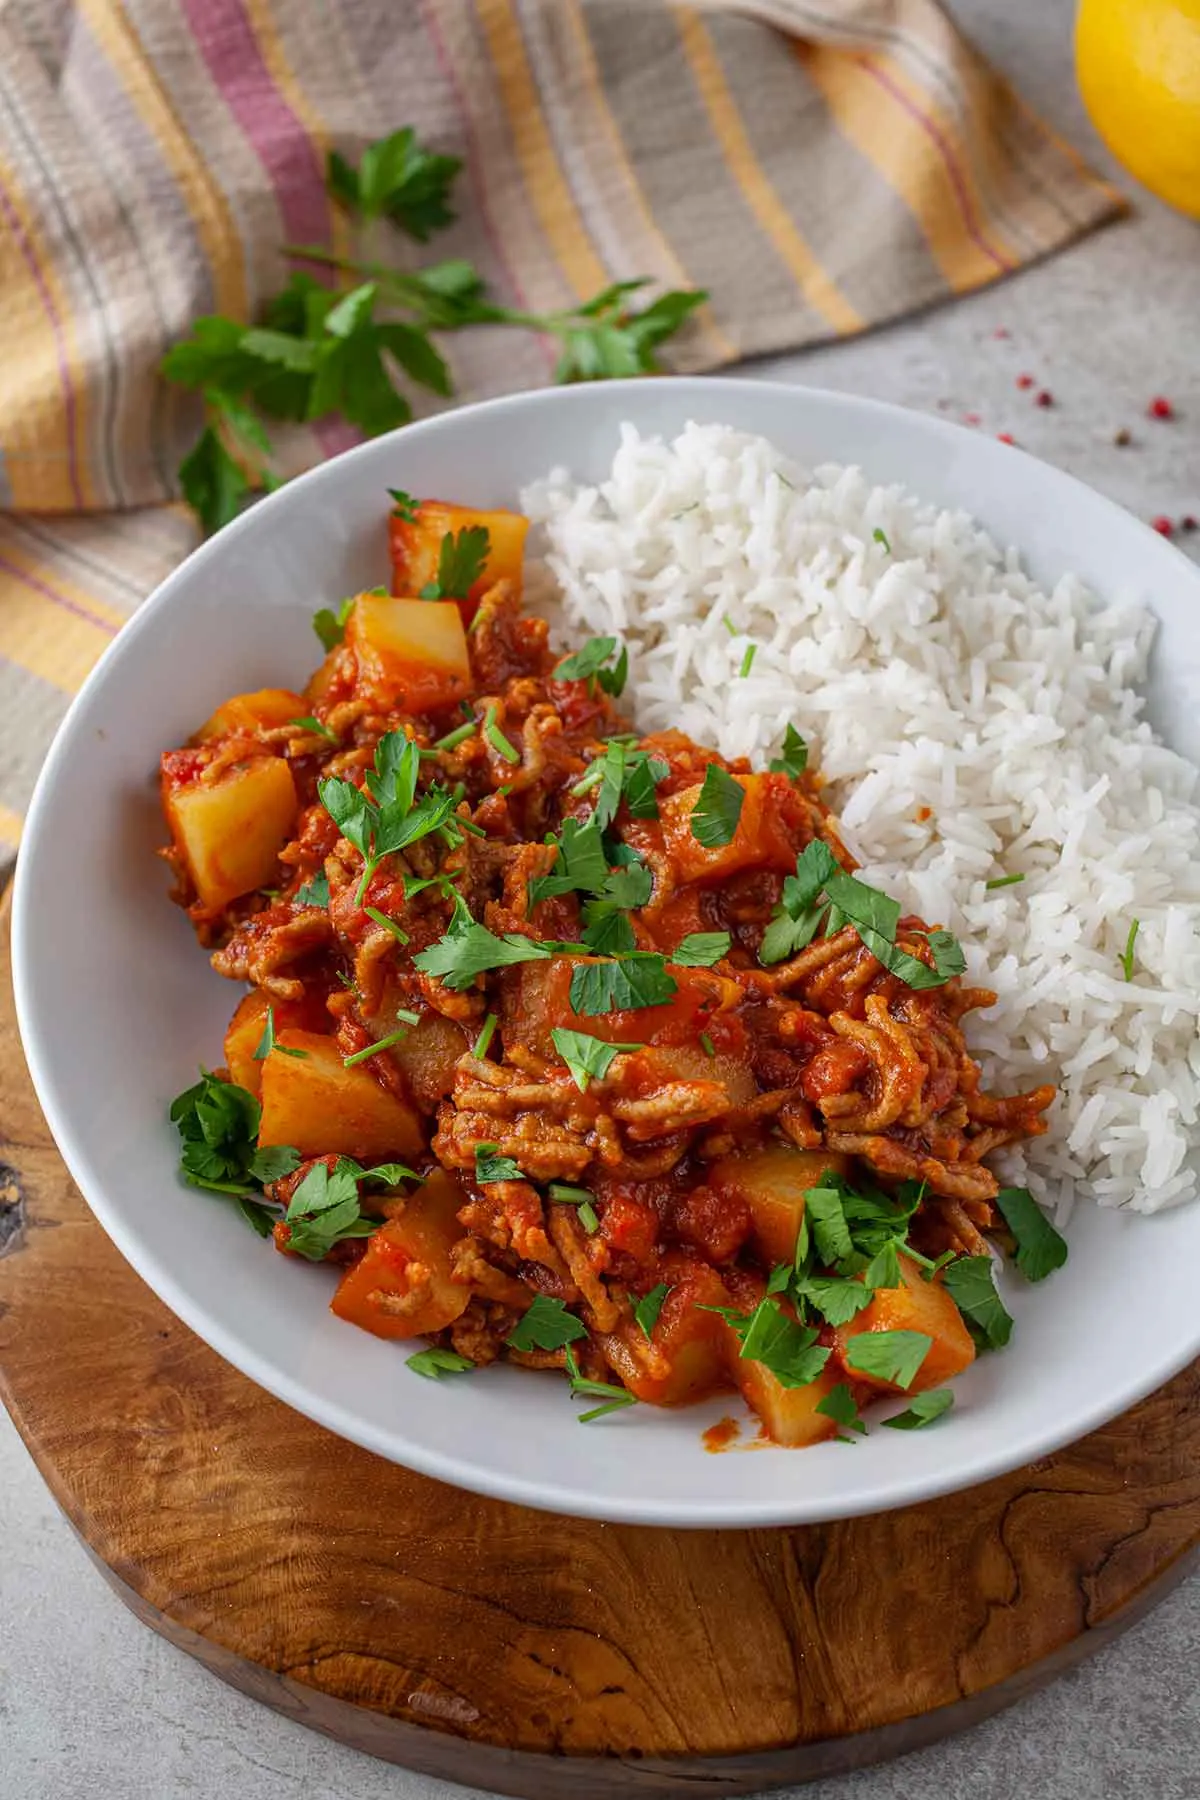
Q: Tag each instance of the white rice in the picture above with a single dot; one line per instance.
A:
(937, 676)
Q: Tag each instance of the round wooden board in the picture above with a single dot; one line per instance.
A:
(520, 1651)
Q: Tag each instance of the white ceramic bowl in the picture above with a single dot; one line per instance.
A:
(118, 1006)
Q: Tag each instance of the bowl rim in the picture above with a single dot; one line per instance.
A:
(719, 1512)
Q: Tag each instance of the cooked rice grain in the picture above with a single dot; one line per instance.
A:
(970, 726)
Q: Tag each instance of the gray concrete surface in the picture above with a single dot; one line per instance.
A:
(94, 1707)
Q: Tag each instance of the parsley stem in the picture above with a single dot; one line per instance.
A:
(483, 1041)
(1126, 960)
(385, 1043)
(1003, 881)
(453, 739)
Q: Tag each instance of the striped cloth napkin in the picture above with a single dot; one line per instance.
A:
(818, 167)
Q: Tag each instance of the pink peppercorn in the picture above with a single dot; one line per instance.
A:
(1188, 523)
(1045, 398)
(1006, 437)
(1024, 381)
(972, 419)
(1163, 525)
(1160, 408)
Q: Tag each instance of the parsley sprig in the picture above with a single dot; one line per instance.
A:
(326, 1209)
(318, 351)
(384, 815)
(590, 664)
(460, 563)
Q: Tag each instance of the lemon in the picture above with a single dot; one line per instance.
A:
(1138, 63)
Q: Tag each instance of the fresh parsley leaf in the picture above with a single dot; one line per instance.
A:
(580, 864)
(460, 563)
(468, 950)
(922, 1410)
(840, 1405)
(614, 1397)
(217, 1122)
(605, 340)
(1040, 1248)
(315, 726)
(587, 1056)
(404, 506)
(785, 936)
(718, 808)
(970, 1283)
(701, 949)
(491, 1167)
(607, 930)
(330, 626)
(314, 892)
(546, 1326)
(260, 1219)
(590, 664)
(833, 1296)
(268, 1042)
(793, 758)
(399, 179)
(629, 887)
(825, 1215)
(212, 482)
(883, 1270)
(383, 816)
(272, 1163)
(637, 980)
(894, 1356)
(790, 1351)
(324, 1210)
(881, 537)
(642, 775)
(436, 1362)
(649, 1307)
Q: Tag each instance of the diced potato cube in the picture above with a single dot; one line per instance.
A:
(230, 831)
(763, 839)
(417, 545)
(773, 1182)
(403, 1287)
(684, 1358)
(918, 1305)
(248, 1024)
(410, 652)
(691, 1062)
(314, 1102)
(789, 1415)
(260, 711)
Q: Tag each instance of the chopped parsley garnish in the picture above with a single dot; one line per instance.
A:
(384, 816)
(460, 564)
(840, 1405)
(587, 1056)
(453, 739)
(881, 537)
(835, 1297)
(999, 881)
(546, 1326)
(268, 1041)
(309, 723)
(581, 1198)
(790, 1351)
(874, 916)
(469, 949)
(590, 664)
(718, 808)
(1040, 1248)
(436, 1362)
(383, 1043)
(649, 1307)
(970, 1283)
(623, 773)
(330, 626)
(582, 1386)
(607, 930)
(325, 1210)
(489, 1166)
(793, 758)
(637, 980)
(480, 1047)
(1126, 958)
(496, 738)
(889, 1355)
(314, 892)
(381, 918)
(922, 1410)
(707, 1045)
(825, 1216)
(580, 865)
(748, 659)
(405, 506)
(218, 1122)
(701, 949)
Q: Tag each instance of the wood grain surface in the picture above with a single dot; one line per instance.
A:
(520, 1651)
